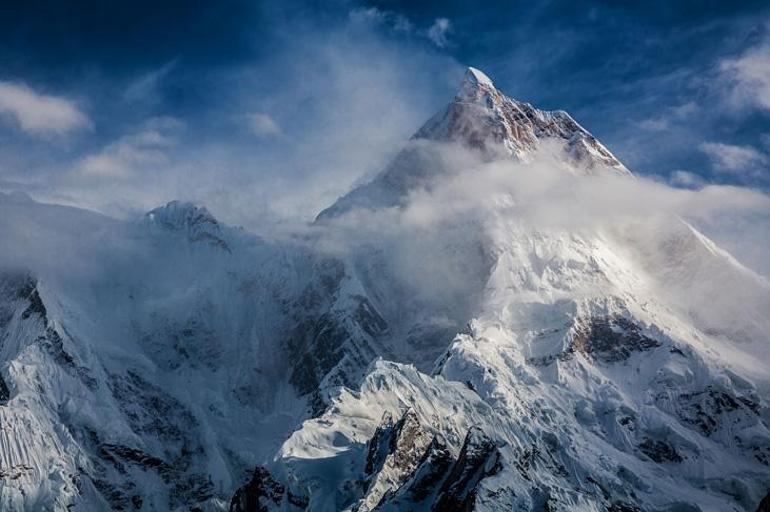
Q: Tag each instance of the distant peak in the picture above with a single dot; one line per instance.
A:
(176, 214)
(195, 220)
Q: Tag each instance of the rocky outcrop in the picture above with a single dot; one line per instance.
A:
(196, 222)
(481, 117)
(331, 344)
(659, 451)
(262, 494)
(408, 467)
(479, 457)
(431, 471)
(611, 339)
(393, 454)
(5, 393)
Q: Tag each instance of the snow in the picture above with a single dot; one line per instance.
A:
(477, 77)
(166, 357)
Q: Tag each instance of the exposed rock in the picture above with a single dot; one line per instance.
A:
(478, 458)
(430, 472)
(378, 446)
(35, 306)
(325, 346)
(262, 494)
(702, 409)
(619, 506)
(611, 339)
(483, 119)
(393, 454)
(138, 457)
(195, 221)
(5, 393)
(659, 451)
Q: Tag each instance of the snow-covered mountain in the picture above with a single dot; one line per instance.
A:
(424, 345)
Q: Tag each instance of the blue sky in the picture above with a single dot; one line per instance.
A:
(269, 111)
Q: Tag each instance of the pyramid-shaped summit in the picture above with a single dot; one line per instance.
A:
(489, 123)
(482, 117)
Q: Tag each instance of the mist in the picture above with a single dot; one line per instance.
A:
(545, 194)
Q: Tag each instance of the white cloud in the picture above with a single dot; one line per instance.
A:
(439, 31)
(262, 125)
(732, 158)
(657, 124)
(40, 114)
(687, 179)
(142, 150)
(397, 22)
(749, 77)
(433, 238)
(670, 115)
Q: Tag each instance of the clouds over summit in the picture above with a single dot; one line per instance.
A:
(296, 103)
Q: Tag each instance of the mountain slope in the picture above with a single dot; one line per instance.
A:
(613, 366)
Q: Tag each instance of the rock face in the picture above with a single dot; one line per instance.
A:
(194, 221)
(611, 339)
(407, 466)
(482, 117)
(393, 454)
(426, 479)
(261, 494)
(410, 467)
(478, 458)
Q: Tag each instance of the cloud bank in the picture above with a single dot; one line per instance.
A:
(476, 197)
(732, 158)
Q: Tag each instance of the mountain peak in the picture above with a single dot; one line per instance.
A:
(475, 85)
(477, 77)
(199, 224)
(180, 214)
(484, 120)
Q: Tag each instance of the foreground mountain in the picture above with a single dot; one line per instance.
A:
(416, 349)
